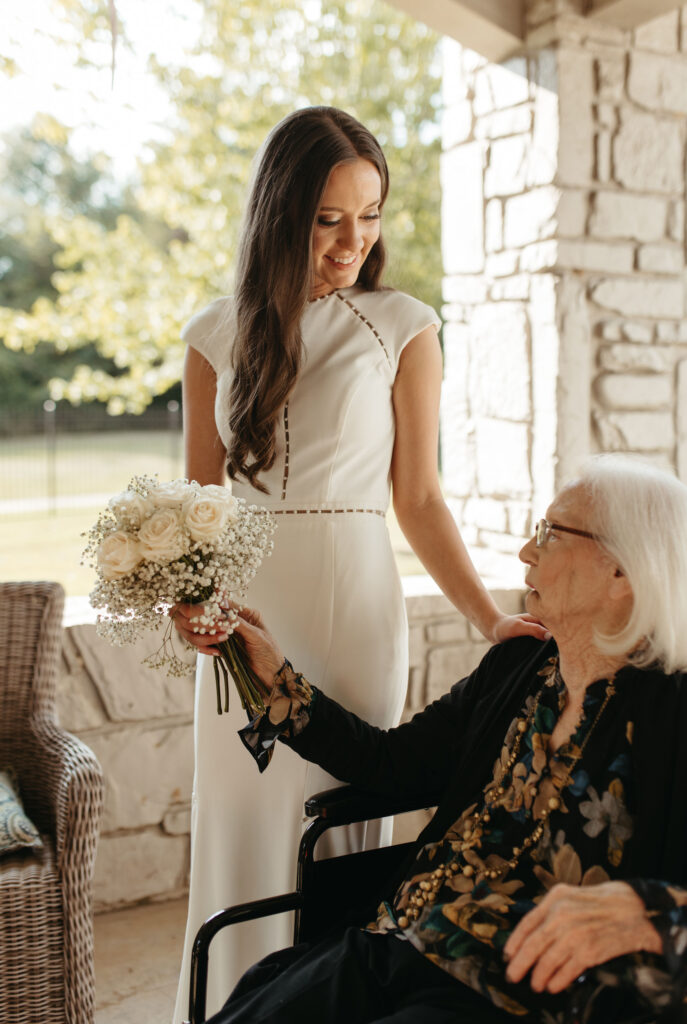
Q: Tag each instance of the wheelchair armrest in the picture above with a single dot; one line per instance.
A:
(347, 804)
(207, 931)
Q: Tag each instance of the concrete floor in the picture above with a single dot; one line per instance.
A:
(137, 958)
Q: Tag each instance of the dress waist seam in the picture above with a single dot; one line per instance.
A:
(324, 508)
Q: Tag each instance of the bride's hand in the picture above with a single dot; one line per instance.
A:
(518, 625)
(186, 621)
(263, 652)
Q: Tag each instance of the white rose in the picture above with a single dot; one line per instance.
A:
(172, 494)
(161, 538)
(223, 494)
(207, 516)
(118, 554)
(130, 508)
(218, 491)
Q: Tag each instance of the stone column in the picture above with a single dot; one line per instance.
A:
(563, 233)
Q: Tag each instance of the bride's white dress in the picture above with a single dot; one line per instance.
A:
(330, 593)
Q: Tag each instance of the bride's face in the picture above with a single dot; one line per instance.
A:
(346, 226)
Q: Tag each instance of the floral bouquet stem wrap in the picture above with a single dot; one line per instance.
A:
(161, 544)
(231, 662)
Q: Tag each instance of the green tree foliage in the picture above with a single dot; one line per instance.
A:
(126, 287)
(42, 182)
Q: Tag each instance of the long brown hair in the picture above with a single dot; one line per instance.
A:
(274, 273)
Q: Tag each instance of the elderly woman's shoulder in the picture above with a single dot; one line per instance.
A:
(519, 655)
(522, 648)
(505, 675)
(654, 684)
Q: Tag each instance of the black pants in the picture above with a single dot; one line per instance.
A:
(357, 978)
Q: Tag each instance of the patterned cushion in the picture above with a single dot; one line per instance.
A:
(16, 831)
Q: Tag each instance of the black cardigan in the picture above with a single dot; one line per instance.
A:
(450, 748)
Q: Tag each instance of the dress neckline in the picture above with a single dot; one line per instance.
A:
(339, 292)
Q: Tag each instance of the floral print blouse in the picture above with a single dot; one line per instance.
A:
(579, 804)
(586, 814)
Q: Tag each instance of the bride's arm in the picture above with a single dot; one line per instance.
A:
(420, 508)
(205, 454)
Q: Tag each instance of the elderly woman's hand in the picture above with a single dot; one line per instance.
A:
(509, 626)
(577, 927)
(263, 652)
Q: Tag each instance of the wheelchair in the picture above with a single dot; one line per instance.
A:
(325, 889)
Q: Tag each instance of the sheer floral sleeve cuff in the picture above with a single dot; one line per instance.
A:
(641, 986)
(666, 907)
(286, 715)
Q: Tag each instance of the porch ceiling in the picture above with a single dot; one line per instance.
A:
(629, 13)
(496, 28)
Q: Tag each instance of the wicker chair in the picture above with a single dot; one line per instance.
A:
(46, 924)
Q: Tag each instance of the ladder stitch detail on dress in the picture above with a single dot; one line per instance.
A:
(286, 451)
(367, 324)
(323, 511)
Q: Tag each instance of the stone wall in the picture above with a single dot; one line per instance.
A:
(140, 725)
(563, 224)
(444, 646)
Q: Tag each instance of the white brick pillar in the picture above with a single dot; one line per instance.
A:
(564, 253)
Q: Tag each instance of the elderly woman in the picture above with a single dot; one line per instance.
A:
(560, 841)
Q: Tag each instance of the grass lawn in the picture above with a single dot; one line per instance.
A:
(40, 544)
(86, 463)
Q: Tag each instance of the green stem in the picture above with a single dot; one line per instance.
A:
(215, 667)
(233, 659)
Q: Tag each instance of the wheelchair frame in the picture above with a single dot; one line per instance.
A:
(344, 805)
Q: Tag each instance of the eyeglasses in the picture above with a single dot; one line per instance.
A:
(544, 529)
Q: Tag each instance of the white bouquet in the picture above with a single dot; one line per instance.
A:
(161, 544)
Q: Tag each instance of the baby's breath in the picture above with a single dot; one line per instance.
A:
(132, 598)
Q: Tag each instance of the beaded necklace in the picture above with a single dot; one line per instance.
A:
(426, 890)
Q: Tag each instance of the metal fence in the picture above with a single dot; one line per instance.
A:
(18, 421)
(64, 455)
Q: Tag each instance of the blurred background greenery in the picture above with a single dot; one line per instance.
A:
(102, 260)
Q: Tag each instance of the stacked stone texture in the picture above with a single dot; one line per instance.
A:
(139, 723)
(564, 183)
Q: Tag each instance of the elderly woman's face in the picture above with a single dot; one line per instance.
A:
(572, 580)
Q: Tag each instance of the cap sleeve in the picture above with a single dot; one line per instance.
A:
(396, 318)
(211, 333)
(414, 318)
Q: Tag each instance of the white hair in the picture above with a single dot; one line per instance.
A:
(640, 512)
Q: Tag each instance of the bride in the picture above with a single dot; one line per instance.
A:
(317, 389)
